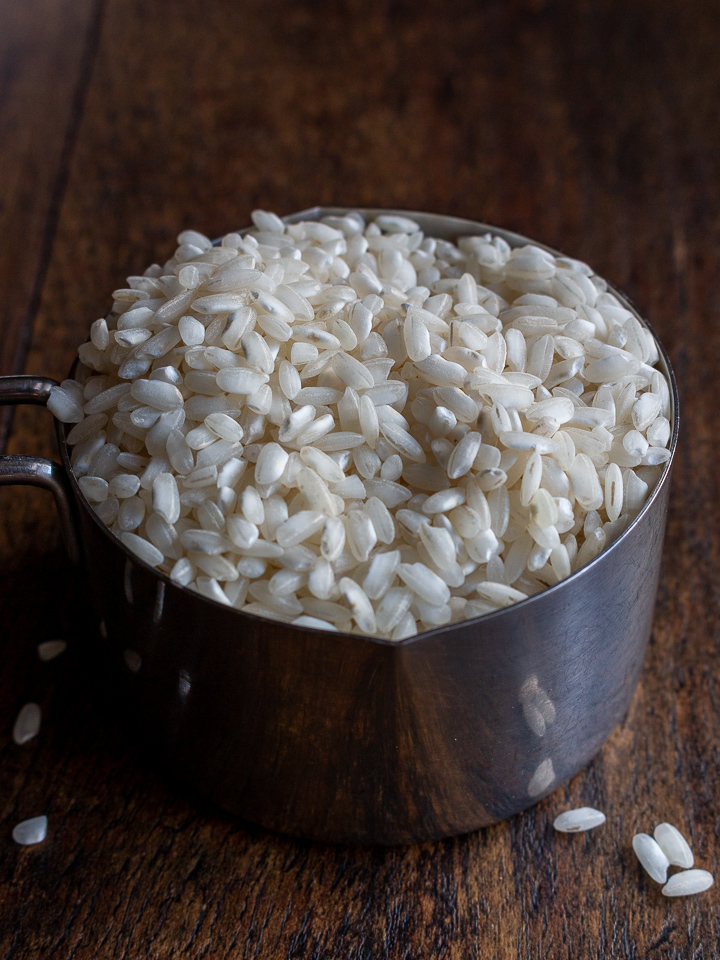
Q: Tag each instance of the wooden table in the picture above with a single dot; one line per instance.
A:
(593, 126)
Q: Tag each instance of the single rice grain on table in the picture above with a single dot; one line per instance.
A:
(579, 820)
(412, 431)
(50, 649)
(674, 845)
(688, 882)
(651, 856)
(27, 723)
(31, 831)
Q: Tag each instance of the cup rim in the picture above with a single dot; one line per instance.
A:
(453, 227)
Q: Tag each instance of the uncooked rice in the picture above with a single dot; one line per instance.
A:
(669, 848)
(50, 649)
(674, 845)
(29, 832)
(27, 723)
(352, 426)
(579, 820)
(651, 856)
(688, 882)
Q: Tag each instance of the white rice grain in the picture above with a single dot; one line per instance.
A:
(360, 606)
(28, 832)
(651, 856)
(27, 723)
(500, 593)
(579, 820)
(687, 883)
(424, 583)
(270, 464)
(166, 497)
(142, 548)
(674, 845)
(381, 574)
(299, 527)
(63, 405)
(463, 456)
(154, 393)
(50, 649)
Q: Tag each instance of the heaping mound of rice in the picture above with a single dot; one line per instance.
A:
(352, 426)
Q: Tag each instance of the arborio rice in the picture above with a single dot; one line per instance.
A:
(356, 427)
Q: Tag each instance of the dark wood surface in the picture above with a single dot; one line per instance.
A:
(593, 126)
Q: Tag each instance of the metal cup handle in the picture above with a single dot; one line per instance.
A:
(39, 471)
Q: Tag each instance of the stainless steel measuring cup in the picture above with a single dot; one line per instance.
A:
(340, 737)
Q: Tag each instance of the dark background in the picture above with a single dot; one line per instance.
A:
(592, 126)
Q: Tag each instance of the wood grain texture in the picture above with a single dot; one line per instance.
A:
(590, 125)
(46, 56)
